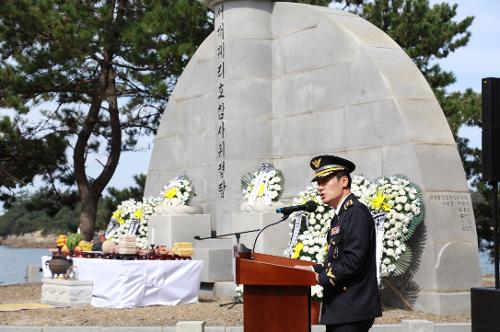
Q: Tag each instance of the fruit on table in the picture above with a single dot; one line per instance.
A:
(108, 246)
(61, 240)
(72, 241)
(65, 249)
(85, 245)
(162, 250)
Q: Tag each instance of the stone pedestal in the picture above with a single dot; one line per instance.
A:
(33, 273)
(66, 292)
(273, 240)
(217, 255)
(217, 274)
(168, 229)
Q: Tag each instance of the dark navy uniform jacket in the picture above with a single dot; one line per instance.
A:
(348, 274)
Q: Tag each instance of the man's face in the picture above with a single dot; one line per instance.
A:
(331, 189)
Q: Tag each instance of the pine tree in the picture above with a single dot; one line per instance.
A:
(107, 67)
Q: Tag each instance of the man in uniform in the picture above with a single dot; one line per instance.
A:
(351, 299)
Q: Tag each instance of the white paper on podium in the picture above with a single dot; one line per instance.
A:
(134, 283)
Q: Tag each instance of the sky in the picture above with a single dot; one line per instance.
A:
(480, 58)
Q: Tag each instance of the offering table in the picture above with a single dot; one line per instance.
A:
(135, 283)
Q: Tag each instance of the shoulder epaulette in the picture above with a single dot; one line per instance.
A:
(348, 204)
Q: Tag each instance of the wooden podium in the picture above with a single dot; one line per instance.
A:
(276, 296)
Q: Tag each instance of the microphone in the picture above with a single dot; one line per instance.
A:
(309, 206)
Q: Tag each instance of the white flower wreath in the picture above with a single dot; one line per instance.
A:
(264, 185)
(178, 192)
(402, 202)
(397, 197)
(131, 217)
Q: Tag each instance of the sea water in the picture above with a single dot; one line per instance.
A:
(14, 261)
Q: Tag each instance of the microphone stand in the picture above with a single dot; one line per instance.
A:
(236, 234)
(236, 299)
(285, 216)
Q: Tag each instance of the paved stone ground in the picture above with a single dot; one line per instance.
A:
(207, 310)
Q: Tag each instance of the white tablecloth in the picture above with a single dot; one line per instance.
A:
(130, 283)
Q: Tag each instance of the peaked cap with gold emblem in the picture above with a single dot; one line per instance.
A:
(326, 165)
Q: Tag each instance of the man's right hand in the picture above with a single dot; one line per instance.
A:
(304, 267)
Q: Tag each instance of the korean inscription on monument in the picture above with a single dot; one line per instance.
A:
(221, 108)
(461, 205)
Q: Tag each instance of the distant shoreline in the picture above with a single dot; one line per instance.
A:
(30, 240)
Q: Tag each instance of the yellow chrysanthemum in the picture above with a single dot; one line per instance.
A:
(138, 214)
(380, 202)
(297, 250)
(117, 214)
(171, 193)
(262, 187)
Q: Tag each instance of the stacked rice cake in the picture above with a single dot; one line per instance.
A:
(126, 245)
(183, 249)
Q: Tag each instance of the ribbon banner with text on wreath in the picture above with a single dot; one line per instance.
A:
(262, 189)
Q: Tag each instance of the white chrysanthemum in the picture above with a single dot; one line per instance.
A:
(262, 185)
(132, 212)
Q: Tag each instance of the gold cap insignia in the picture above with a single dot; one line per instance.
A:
(316, 162)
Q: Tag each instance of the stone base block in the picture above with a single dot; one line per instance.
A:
(190, 326)
(221, 290)
(33, 274)
(417, 326)
(66, 292)
(226, 243)
(177, 228)
(218, 263)
(443, 303)
(274, 240)
(225, 289)
(382, 328)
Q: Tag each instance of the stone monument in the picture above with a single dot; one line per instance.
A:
(281, 82)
